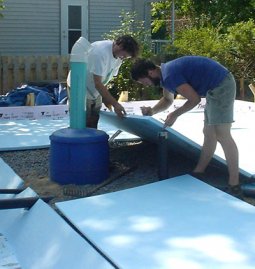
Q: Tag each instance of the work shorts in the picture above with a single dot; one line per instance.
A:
(219, 108)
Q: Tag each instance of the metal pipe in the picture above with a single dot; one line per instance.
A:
(11, 191)
(28, 202)
(173, 20)
(162, 155)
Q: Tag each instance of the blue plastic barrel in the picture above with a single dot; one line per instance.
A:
(79, 156)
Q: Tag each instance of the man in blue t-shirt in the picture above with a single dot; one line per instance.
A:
(194, 77)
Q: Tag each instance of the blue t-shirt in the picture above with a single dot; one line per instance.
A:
(202, 73)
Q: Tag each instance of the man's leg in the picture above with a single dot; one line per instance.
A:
(93, 110)
(208, 148)
(221, 133)
(218, 118)
(92, 121)
(230, 150)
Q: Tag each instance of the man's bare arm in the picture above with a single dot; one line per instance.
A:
(108, 99)
(164, 103)
(192, 100)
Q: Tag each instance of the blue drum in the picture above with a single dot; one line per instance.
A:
(79, 156)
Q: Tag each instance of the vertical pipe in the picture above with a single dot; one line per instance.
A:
(162, 155)
(78, 62)
(173, 20)
(78, 96)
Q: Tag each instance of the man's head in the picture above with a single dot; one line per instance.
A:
(146, 72)
(125, 46)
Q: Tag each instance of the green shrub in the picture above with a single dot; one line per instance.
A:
(205, 41)
(241, 47)
(235, 49)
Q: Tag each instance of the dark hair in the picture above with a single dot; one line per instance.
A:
(141, 67)
(129, 44)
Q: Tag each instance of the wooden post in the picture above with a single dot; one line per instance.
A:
(123, 96)
(30, 99)
(5, 72)
(252, 88)
(242, 88)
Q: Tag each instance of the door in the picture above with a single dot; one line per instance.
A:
(74, 23)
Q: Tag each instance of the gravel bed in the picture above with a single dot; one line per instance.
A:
(133, 164)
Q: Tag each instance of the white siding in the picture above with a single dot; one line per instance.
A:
(30, 27)
(104, 16)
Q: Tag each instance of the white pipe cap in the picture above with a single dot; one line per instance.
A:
(80, 50)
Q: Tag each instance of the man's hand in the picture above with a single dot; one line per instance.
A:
(120, 110)
(146, 110)
(192, 100)
(170, 120)
(108, 105)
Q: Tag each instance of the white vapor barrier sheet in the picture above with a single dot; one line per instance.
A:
(30, 127)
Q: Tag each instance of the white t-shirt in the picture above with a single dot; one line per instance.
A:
(102, 63)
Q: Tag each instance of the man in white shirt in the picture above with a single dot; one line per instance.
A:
(104, 60)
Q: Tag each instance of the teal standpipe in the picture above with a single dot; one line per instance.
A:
(78, 63)
(79, 155)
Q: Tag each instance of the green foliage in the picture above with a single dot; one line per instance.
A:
(205, 41)
(235, 49)
(241, 44)
(130, 25)
(160, 14)
(202, 13)
(221, 30)
(229, 12)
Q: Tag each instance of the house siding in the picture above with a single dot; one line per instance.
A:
(33, 27)
(30, 27)
(104, 16)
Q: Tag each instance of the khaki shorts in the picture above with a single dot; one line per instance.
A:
(93, 106)
(219, 108)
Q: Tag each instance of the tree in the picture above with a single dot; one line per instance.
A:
(235, 48)
(203, 13)
(160, 13)
(241, 44)
(229, 12)
(205, 41)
